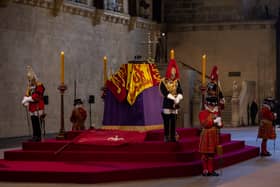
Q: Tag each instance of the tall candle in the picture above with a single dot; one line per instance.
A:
(172, 54)
(105, 69)
(62, 67)
(203, 70)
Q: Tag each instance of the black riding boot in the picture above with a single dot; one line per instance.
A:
(172, 127)
(166, 125)
(36, 128)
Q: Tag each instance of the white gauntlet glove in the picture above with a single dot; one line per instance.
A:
(178, 98)
(170, 96)
(218, 121)
(25, 101)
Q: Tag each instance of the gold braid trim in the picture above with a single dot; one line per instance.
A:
(171, 86)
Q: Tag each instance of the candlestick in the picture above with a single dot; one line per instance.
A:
(105, 69)
(172, 54)
(62, 67)
(203, 70)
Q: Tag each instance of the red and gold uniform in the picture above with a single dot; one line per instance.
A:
(267, 128)
(36, 92)
(34, 100)
(209, 137)
(211, 122)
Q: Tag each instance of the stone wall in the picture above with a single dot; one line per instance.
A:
(248, 48)
(31, 35)
(197, 11)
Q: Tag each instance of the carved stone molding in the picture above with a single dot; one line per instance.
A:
(141, 23)
(56, 6)
(96, 19)
(253, 25)
(116, 17)
(96, 15)
(132, 23)
(48, 4)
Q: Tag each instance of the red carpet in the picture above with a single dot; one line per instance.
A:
(110, 137)
(92, 157)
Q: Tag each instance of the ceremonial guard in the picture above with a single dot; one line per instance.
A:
(211, 122)
(78, 116)
(34, 100)
(171, 90)
(214, 88)
(267, 127)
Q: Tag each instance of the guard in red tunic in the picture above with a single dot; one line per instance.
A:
(78, 116)
(34, 100)
(211, 122)
(267, 126)
(172, 92)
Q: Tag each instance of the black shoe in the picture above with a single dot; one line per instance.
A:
(266, 154)
(38, 139)
(35, 139)
(213, 174)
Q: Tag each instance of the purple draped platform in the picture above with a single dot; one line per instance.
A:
(144, 112)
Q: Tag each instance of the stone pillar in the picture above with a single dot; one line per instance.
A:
(184, 112)
(196, 105)
(235, 107)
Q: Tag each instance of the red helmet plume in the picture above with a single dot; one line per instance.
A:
(214, 74)
(172, 63)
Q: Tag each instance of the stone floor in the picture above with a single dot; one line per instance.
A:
(260, 171)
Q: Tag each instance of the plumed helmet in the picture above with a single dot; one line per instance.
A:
(269, 102)
(31, 74)
(212, 100)
(214, 74)
(212, 89)
(172, 64)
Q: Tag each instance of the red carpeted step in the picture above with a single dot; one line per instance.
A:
(70, 135)
(149, 146)
(225, 137)
(188, 132)
(184, 144)
(102, 156)
(233, 146)
(189, 144)
(236, 156)
(128, 157)
(53, 145)
(47, 145)
(122, 156)
(182, 132)
(93, 172)
(150, 159)
(29, 155)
